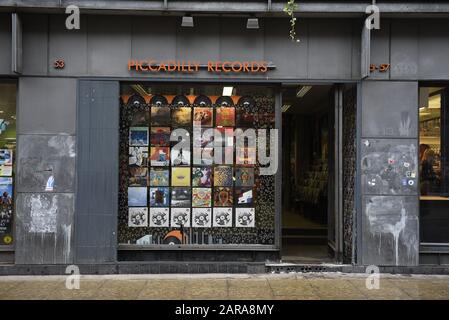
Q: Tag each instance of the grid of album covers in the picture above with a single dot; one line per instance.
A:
(172, 199)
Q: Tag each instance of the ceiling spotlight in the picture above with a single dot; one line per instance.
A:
(252, 23)
(187, 21)
(285, 107)
(302, 91)
(227, 91)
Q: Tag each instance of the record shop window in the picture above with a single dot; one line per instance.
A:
(196, 165)
(7, 151)
(434, 164)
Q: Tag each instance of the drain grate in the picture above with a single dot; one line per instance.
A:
(296, 268)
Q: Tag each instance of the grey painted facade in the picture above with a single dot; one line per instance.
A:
(61, 110)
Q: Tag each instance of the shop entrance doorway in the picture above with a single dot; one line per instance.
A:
(311, 217)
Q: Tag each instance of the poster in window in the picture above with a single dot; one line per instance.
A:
(180, 177)
(203, 117)
(181, 117)
(138, 156)
(202, 176)
(203, 156)
(223, 176)
(203, 137)
(5, 171)
(160, 136)
(138, 217)
(244, 177)
(245, 217)
(137, 196)
(223, 197)
(180, 157)
(224, 137)
(6, 211)
(180, 217)
(160, 156)
(245, 156)
(160, 116)
(201, 197)
(138, 177)
(225, 117)
(222, 217)
(159, 177)
(181, 197)
(201, 217)
(159, 217)
(140, 118)
(138, 136)
(159, 197)
(5, 157)
(244, 196)
(244, 118)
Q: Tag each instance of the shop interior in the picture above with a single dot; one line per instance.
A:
(306, 144)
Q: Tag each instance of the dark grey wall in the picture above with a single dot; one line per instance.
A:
(46, 148)
(97, 168)
(5, 40)
(389, 173)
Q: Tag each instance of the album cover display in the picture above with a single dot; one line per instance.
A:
(244, 177)
(159, 197)
(244, 196)
(201, 217)
(6, 157)
(138, 156)
(245, 217)
(159, 177)
(180, 177)
(203, 117)
(160, 136)
(180, 157)
(225, 117)
(160, 156)
(137, 196)
(181, 117)
(204, 137)
(222, 217)
(181, 197)
(223, 197)
(202, 177)
(160, 116)
(138, 217)
(140, 118)
(201, 197)
(180, 217)
(159, 217)
(245, 156)
(138, 136)
(223, 176)
(138, 176)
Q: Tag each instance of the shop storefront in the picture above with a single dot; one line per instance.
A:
(142, 141)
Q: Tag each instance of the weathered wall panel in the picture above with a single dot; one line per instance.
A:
(404, 49)
(380, 49)
(46, 106)
(97, 189)
(35, 44)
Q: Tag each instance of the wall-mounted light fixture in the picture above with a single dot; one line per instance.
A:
(227, 91)
(285, 107)
(252, 23)
(302, 91)
(187, 21)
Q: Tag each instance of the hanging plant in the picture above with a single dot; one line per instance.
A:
(289, 9)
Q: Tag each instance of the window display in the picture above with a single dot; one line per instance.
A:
(189, 186)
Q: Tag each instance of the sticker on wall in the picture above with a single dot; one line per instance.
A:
(160, 156)
(201, 197)
(138, 156)
(159, 217)
(137, 196)
(180, 217)
(201, 217)
(223, 197)
(222, 217)
(159, 197)
(180, 177)
(138, 136)
(160, 136)
(202, 176)
(159, 177)
(245, 217)
(181, 197)
(138, 217)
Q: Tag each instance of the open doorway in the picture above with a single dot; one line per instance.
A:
(307, 144)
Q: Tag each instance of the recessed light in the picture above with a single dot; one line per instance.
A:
(227, 91)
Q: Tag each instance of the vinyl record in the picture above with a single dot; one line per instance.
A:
(202, 101)
(158, 100)
(224, 101)
(246, 102)
(136, 100)
(180, 101)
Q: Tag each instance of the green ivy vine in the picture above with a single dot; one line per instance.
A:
(289, 9)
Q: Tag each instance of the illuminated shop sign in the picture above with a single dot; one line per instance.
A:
(187, 66)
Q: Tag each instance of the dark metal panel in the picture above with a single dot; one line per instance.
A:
(97, 167)
(44, 228)
(330, 49)
(390, 230)
(365, 51)
(16, 43)
(35, 42)
(290, 57)
(5, 40)
(380, 49)
(109, 45)
(46, 106)
(433, 49)
(42, 158)
(70, 45)
(390, 109)
(404, 49)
